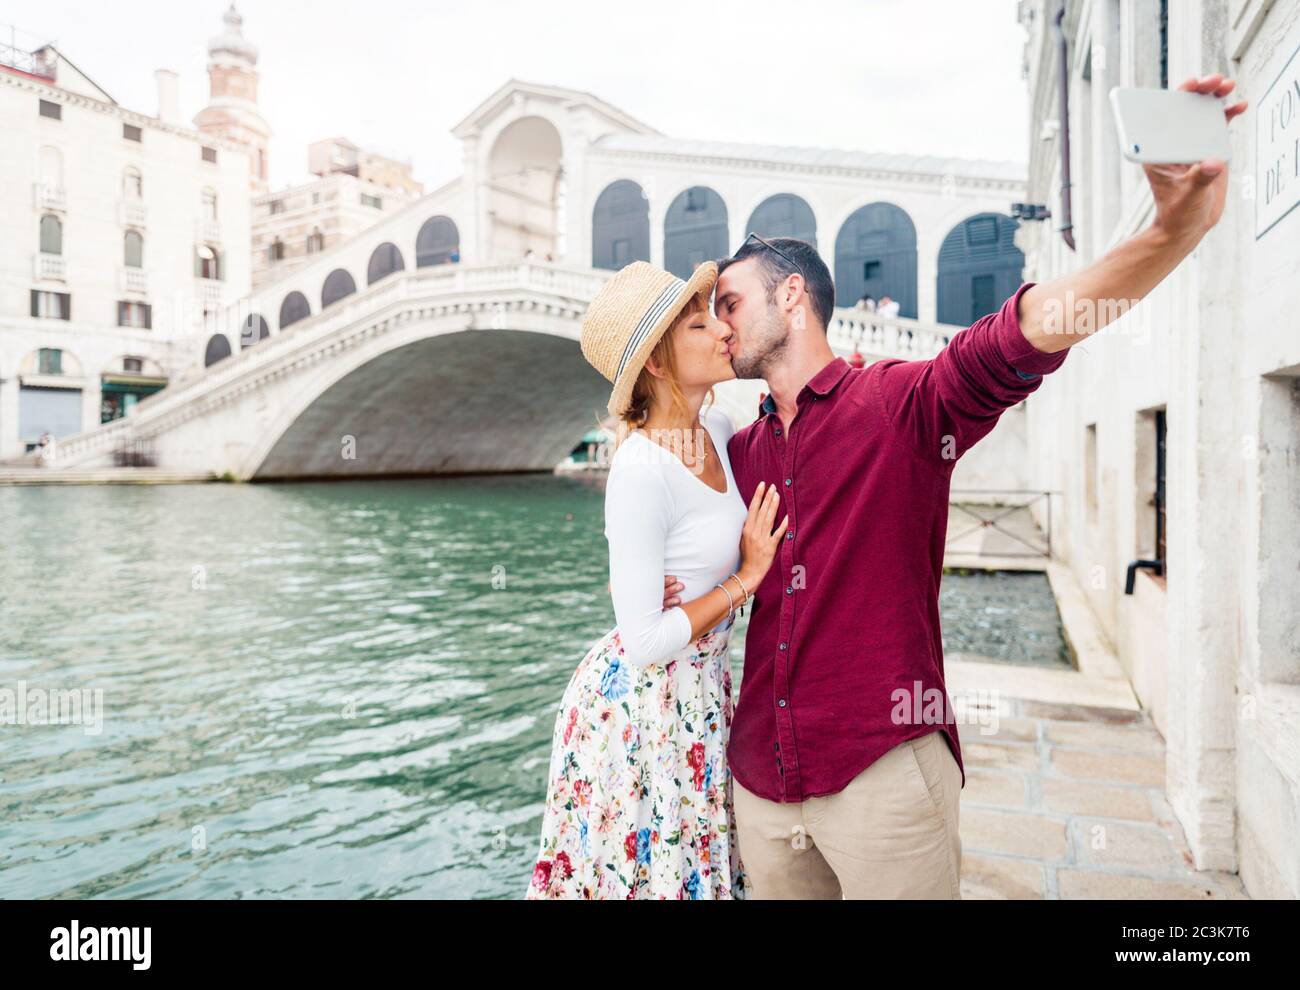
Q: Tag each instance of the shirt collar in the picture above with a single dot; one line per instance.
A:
(822, 383)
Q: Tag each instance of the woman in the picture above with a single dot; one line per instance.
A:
(639, 796)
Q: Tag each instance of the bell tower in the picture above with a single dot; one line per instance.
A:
(232, 113)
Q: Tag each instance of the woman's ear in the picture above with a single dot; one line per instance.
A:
(653, 368)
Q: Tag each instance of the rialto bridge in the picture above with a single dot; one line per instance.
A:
(444, 337)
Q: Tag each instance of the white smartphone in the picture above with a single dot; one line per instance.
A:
(1169, 126)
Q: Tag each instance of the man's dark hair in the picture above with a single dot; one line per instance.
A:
(775, 269)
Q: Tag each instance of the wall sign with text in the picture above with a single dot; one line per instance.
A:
(1277, 148)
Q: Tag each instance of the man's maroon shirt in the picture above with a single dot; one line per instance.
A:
(849, 612)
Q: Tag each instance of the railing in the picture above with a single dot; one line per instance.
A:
(132, 213)
(991, 511)
(135, 452)
(32, 63)
(49, 197)
(51, 266)
(209, 231)
(887, 336)
(135, 280)
(211, 292)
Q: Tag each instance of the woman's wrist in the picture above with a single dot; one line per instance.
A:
(748, 581)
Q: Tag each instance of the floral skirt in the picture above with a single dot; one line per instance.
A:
(638, 803)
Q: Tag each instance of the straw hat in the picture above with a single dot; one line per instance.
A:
(629, 315)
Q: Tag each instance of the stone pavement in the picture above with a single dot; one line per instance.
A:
(1067, 801)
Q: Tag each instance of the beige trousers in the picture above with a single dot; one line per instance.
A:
(890, 834)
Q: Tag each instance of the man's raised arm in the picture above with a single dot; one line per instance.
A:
(1188, 201)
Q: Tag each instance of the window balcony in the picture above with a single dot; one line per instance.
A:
(49, 197)
(50, 266)
(135, 280)
(132, 213)
(209, 231)
(210, 291)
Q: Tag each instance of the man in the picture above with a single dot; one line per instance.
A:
(844, 749)
(889, 306)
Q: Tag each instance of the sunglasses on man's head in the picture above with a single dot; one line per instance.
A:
(771, 247)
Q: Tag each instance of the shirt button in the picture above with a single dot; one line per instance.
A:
(781, 702)
(789, 591)
(789, 534)
(778, 431)
(783, 646)
(789, 482)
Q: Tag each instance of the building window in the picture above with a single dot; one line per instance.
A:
(207, 262)
(1164, 48)
(133, 185)
(49, 361)
(52, 110)
(315, 198)
(209, 205)
(133, 365)
(133, 249)
(132, 133)
(315, 242)
(275, 206)
(1091, 501)
(208, 154)
(276, 251)
(51, 234)
(51, 305)
(134, 314)
(375, 201)
(1160, 491)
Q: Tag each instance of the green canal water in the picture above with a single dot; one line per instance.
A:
(316, 690)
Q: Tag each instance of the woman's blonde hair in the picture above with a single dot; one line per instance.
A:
(643, 392)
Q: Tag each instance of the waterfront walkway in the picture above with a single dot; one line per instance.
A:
(1066, 799)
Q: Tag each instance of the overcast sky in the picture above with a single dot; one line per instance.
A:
(910, 76)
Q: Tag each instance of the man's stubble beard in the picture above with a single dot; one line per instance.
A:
(770, 338)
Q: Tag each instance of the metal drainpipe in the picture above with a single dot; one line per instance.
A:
(1063, 84)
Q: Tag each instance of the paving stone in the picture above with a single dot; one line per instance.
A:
(1077, 797)
(1128, 768)
(999, 878)
(1001, 787)
(1141, 848)
(1008, 756)
(1081, 713)
(1096, 885)
(1014, 833)
(1097, 735)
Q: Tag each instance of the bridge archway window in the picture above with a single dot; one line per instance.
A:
(133, 249)
(620, 226)
(695, 230)
(294, 308)
(384, 260)
(315, 242)
(276, 251)
(875, 253)
(525, 191)
(51, 234)
(437, 243)
(255, 328)
(338, 284)
(218, 349)
(979, 268)
(784, 215)
(132, 185)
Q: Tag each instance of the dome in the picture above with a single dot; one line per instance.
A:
(232, 39)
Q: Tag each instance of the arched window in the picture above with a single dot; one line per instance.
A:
(315, 242)
(133, 249)
(276, 251)
(218, 349)
(784, 215)
(695, 230)
(294, 308)
(51, 234)
(254, 329)
(979, 267)
(875, 253)
(384, 260)
(620, 226)
(338, 284)
(437, 243)
(207, 262)
(208, 201)
(132, 185)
